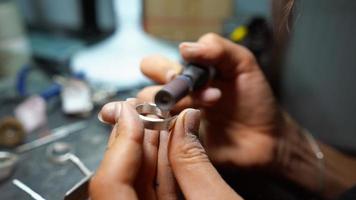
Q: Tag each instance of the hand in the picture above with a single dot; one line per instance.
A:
(128, 156)
(241, 117)
(135, 164)
(242, 123)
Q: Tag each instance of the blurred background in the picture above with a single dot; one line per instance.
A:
(60, 61)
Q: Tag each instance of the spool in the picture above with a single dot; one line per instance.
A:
(12, 133)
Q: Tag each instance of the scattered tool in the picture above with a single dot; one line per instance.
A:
(8, 160)
(192, 78)
(61, 152)
(12, 132)
(79, 191)
(7, 164)
(27, 189)
(57, 134)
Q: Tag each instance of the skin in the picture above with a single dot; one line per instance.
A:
(241, 125)
(132, 161)
(241, 117)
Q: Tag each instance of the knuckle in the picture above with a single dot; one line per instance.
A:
(151, 138)
(145, 94)
(189, 153)
(247, 56)
(144, 63)
(212, 37)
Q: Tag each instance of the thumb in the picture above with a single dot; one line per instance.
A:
(195, 174)
(118, 170)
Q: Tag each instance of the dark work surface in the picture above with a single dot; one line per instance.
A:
(48, 179)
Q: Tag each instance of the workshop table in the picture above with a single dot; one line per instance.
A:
(52, 180)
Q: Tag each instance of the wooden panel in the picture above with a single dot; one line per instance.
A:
(185, 19)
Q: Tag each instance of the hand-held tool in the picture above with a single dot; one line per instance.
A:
(192, 78)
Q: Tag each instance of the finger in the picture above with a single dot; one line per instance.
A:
(112, 136)
(110, 112)
(119, 168)
(166, 184)
(202, 98)
(195, 174)
(213, 50)
(145, 184)
(134, 101)
(160, 69)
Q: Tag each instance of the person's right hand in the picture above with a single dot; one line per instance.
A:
(241, 117)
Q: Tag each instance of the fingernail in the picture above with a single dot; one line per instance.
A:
(111, 111)
(192, 121)
(117, 111)
(190, 47)
(100, 118)
(211, 94)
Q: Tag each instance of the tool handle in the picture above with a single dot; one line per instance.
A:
(192, 78)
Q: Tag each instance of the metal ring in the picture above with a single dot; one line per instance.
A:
(163, 122)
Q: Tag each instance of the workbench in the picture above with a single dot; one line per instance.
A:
(49, 179)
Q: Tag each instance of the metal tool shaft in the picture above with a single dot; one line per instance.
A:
(57, 134)
(27, 189)
(192, 78)
(77, 162)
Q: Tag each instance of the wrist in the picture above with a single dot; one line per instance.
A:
(300, 159)
(296, 160)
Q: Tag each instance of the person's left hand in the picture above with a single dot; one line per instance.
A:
(135, 165)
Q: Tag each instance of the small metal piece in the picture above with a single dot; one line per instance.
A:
(57, 134)
(7, 164)
(79, 191)
(28, 190)
(163, 120)
(12, 132)
(60, 152)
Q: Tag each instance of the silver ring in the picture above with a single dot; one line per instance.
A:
(163, 120)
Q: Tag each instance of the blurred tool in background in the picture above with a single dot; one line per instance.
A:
(8, 160)
(12, 132)
(7, 164)
(256, 34)
(116, 60)
(74, 91)
(27, 189)
(55, 36)
(14, 51)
